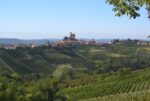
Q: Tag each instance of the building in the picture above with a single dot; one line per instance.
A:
(143, 43)
(71, 41)
(90, 42)
(72, 37)
(9, 47)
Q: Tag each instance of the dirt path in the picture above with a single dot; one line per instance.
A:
(7, 66)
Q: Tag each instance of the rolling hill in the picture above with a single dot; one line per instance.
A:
(118, 72)
(40, 60)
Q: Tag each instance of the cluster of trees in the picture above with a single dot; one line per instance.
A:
(34, 90)
(129, 7)
(14, 87)
(126, 42)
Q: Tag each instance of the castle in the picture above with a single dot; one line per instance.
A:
(72, 37)
(71, 41)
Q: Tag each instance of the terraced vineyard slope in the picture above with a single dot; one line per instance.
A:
(114, 86)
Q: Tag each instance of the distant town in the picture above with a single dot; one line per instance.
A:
(70, 40)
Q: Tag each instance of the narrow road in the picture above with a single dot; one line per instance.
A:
(7, 66)
(83, 57)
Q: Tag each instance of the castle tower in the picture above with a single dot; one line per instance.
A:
(72, 36)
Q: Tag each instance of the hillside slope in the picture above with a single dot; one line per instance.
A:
(134, 86)
(104, 58)
(40, 60)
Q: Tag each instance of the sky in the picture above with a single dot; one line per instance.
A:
(46, 19)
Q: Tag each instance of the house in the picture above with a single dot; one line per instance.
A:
(143, 43)
(90, 42)
(9, 47)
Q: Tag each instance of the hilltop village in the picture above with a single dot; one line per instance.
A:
(66, 41)
(70, 40)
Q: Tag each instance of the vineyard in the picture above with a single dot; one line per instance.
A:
(120, 72)
(137, 96)
(134, 87)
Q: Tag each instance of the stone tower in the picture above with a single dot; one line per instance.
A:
(72, 36)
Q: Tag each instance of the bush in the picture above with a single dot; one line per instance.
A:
(124, 71)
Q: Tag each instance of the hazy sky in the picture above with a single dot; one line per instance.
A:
(32, 19)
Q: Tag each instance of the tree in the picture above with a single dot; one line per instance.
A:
(129, 7)
(64, 71)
